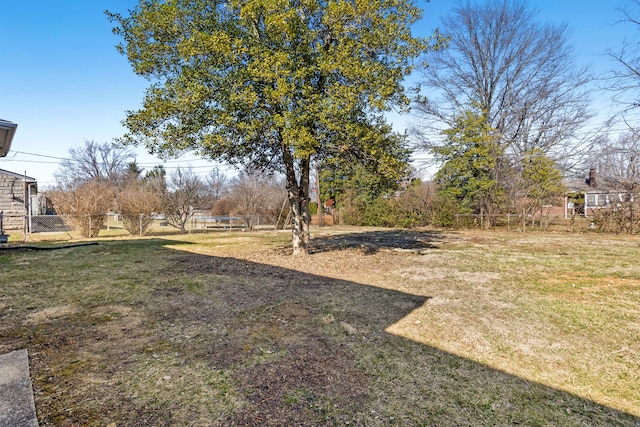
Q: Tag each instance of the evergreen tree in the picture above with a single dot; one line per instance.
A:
(472, 164)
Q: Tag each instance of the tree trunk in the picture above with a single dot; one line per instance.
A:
(299, 224)
(298, 195)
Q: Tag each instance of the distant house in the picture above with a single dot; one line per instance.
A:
(594, 195)
(16, 191)
(574, 197)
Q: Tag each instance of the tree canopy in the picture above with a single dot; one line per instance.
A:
(370, 172)
(625, 76)
(517, 70)
(267, 83)
(94, 161)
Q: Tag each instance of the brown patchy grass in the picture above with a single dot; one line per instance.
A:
(375, 328)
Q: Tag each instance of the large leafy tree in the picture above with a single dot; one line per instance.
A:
(267, 84)
(371, 168)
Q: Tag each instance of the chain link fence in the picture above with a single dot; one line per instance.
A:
(66, 226)
(115, 224)
(48, 224)
(514, 222)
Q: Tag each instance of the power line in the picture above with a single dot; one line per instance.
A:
(13, 159)
(32, 161)
(39, 155)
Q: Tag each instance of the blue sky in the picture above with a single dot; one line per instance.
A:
(63, 82)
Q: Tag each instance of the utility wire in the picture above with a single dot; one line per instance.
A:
(13, 159)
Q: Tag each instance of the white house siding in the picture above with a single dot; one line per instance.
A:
(605, 199)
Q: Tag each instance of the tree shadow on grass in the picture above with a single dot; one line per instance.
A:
(373, 241)
(221, 341)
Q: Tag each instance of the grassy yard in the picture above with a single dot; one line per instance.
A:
(376, 328)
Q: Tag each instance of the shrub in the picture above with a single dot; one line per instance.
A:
(85, 205)
(136, 203)
(380, 213)
(620, 218)
(415, 206)
(351, 210)
(445, 208)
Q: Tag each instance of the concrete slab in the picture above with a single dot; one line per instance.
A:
(17, 407)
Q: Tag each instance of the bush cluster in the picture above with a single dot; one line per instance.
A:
(622, 218)
(420, 205)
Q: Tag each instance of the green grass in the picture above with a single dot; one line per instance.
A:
(376, 328)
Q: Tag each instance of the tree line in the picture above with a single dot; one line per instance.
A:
(505, 115)
(98, 178)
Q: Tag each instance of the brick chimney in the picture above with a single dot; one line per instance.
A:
(591, 181)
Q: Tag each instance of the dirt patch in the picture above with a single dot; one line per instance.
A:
(50, 314)
(314, 383)
(373, 242)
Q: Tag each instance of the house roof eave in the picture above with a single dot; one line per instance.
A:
(17, 175)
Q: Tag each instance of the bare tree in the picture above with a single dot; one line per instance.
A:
(216, 187)
(156, 178)
(618, 163)
(516, 70)
(618, 168)
(417, 204)
(184, 194)
(255, 194)
(624, 80)
(221, 207)
(94, 161)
